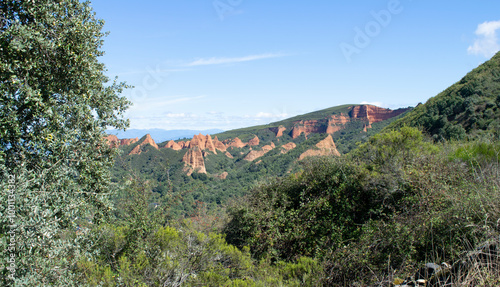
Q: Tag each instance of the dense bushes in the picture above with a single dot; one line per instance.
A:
(395, 202)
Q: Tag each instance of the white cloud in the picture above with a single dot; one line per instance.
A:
(378, 104)
(219, 61)
(207, 120)
(173, 115)
(263, 115)
(486, 43)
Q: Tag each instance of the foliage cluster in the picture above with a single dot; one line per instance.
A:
(399, 199)
(142, 247)
(55, 103)
(394, 203)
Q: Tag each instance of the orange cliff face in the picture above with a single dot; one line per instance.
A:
(374, 114)
(278, 131)
(307, 127)
(114, 141)
(253, 142)
(199, 146)
(323, 148)
(255, 154)
(194, 161)
(203, 142)
(148, 140)
(368, 113)
(173, 145)
(236, 142)
(219, 145)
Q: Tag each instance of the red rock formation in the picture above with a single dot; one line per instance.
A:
(337, 123)
(278, 131)
(203, 142)
(210, 144)
(173, 145)
(113, 140)
(229, 155)
(219, 145)
(324, 147)
(236, 142)
(287, 147)
(307, 127)
(128, 141)
(255, 154)
(370, 114)
(253, 142)
(329, 125)
(198, 141)
(193, 159)
(147, 140)
(374, 114)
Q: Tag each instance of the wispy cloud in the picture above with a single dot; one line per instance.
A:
(264, 115)
(378, 104)
(220, 61)
(185, 120)
(486, 43)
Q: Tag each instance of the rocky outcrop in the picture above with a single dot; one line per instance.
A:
(255, 154)
(114, 141)
(374, 114)
(253, 142)
(128, 141)
(146, 141)
(173, 145)
(213, 145)
(236, 142)
(287, 147)
(323, 148)
(193, 160)
(307, 127)
(219, 145)
(366, 113)
(278, 131)
(203, 143)
(149, 140)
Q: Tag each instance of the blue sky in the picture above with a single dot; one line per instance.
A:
(227, 64)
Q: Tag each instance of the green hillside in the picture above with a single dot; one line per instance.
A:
(288, 123)
(401, 195)
(345, 140)
(338, 197)
(469, 107)
(209, 189)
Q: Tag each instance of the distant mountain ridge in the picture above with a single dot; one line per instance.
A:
(160, 135)
(253, 143)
